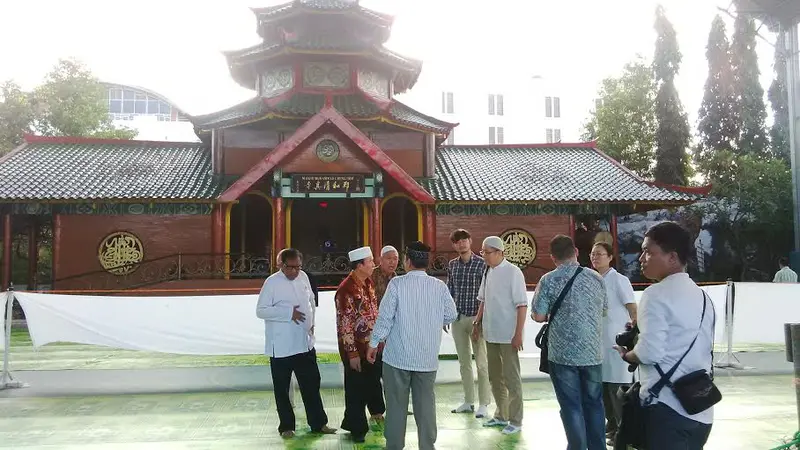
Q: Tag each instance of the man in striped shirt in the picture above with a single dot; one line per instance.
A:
(410, 319)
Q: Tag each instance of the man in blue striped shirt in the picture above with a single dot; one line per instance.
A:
(412, 314)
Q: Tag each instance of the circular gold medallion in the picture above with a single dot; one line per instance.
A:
(520, 247)
(327, 150)
(120, 253)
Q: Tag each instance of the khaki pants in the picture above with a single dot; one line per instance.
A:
(466, 347)
(506, 382)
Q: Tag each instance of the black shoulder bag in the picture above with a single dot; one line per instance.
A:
(696, 390)
(542, 338)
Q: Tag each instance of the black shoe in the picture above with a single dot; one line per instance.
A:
(359, 439)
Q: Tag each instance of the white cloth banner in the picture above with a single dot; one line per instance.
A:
(201, 325)
(3, 299)
(761, 309)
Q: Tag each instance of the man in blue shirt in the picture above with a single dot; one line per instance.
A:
(410, 319)
(575, 344)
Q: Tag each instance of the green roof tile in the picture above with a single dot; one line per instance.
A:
(557, 173)
(118, 170)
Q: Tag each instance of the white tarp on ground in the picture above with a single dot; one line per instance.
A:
(202, 325)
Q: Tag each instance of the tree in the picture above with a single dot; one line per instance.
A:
(748, 94)
(717, 126)
(779, 99)
(16, 115)
(672, 134)
(624, 124)
(72, 102)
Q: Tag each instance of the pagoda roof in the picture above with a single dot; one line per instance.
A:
(551, 173)
(68, 168)
(297, 7)
(356, 107)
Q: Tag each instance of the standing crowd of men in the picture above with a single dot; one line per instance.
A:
(390, 328)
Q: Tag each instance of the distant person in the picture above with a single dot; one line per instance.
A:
(501, 318)
(385, 271)
(286, 304)
(621, 311)
(575, 345)
(410, 320)
(785, 274)
(464, 275)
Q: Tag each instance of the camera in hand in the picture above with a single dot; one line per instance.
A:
(627, 339)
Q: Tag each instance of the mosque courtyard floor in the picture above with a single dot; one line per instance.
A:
(70, 405)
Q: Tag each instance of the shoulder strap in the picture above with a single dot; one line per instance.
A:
(665, 377)
(563, 294)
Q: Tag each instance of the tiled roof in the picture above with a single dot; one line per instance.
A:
(319, 5)
(547, 173)
(83, 169)
(353, 106)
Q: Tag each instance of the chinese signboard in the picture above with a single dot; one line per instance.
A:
(520, 248)
(328, 184)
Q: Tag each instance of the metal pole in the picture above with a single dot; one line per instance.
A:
(8, 380)
(794, 344)
(792, 80)
(179, 266)
(729, 360)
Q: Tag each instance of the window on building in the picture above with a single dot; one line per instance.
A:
(451, 138)
(556, 135)
(496, 135)
(447, 103)
(548, 106)
(556, 107)
(495, 104)
(548, 135)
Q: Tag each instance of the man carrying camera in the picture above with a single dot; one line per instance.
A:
(676, 323)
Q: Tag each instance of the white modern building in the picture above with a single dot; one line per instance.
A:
(152, 115)
(510, 108)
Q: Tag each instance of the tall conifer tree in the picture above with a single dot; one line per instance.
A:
(750, 110)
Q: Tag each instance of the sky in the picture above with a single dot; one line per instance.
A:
(173, 46)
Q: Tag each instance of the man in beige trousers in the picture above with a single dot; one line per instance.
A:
(501, 318)
(464, 275)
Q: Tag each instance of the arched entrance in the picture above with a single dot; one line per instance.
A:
(400, 221)
(251, 234)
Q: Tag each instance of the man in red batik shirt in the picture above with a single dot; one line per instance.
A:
(356, 312)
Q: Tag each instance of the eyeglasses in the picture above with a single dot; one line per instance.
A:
(598, 254)
(488, 252)
(288, 267)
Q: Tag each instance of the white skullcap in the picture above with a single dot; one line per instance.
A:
(388, 249)
(360, 254)
(494, 242)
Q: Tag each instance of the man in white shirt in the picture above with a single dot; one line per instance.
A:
(411, 316)
(669, 315)
(785, 274)
(501, 318)
(286, 305)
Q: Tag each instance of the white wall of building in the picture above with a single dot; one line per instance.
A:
(149, 128)
(524, 119)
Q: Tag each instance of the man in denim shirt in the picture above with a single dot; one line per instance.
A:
(575, 344)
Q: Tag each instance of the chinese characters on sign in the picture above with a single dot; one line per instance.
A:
(333, 184)
(120, 253)
(520, 248)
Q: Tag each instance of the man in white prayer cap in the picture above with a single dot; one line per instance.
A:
(386, 271)
(356, 313)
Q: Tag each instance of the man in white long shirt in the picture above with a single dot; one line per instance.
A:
(286, 305)
(621, 311)
(670, 313)
(411, 316)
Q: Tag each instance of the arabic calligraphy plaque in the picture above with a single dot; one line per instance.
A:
(520, 247)
(120, 253)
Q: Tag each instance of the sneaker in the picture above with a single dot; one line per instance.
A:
(483, 411)
(494, 422)
(512, 429)
(288, 434)
(464, 408)
(325, 430)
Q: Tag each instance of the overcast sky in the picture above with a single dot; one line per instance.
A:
(173, 46)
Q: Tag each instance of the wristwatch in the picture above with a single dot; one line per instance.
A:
(476, 323)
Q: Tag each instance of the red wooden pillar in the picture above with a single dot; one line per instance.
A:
(615, 242)
(56, 247)
(280, 224)
(572, 226)
(218, 229)
(429, 226)
(33, 252)
(6, 281)
(375, 226)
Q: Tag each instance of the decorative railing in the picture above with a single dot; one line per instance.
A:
(329, 269)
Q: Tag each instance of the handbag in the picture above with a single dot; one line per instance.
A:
(695, 391)
(542, 338)
(633, 427)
